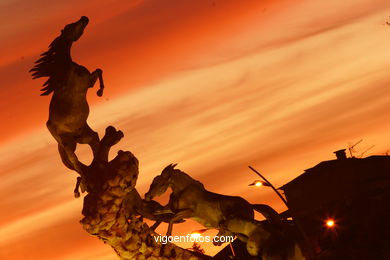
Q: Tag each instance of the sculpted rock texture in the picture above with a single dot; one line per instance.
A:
(105, 216)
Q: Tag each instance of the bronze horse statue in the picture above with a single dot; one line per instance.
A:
(69, 83)
(189, 199)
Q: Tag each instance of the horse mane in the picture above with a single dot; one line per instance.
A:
(171, 168)
(53, 64)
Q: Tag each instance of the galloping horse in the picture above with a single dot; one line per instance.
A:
(69, 83)
(189, 199)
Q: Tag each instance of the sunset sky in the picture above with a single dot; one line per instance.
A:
(213, 85)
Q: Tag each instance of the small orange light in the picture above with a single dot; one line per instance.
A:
(258, 183)
(195, 235)
(330, 223)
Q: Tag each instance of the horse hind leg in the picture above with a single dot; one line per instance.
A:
(64, 152)
(75, 162)
(68, 164)
(90, 137)
(64, 158)
(66, 147)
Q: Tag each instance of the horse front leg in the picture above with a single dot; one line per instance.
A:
(170, 228)
(98, 74)
(155, 225)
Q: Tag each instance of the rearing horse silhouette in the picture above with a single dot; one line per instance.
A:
(69, 83)
(189, 199)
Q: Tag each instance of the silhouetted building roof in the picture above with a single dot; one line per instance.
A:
(335, 180)
(355, 193)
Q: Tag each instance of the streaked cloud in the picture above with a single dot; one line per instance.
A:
(278, 86)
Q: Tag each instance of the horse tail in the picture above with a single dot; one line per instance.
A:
(269, 213)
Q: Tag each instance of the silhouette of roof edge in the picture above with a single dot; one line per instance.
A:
(333, 163)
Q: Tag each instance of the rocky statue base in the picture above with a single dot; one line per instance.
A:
(107, 184)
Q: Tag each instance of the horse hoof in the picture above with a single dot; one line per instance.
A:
(99, 92)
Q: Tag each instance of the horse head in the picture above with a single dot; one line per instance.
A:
(74, 30)
(160, 183)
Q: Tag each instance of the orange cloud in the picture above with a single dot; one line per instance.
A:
(215, 88)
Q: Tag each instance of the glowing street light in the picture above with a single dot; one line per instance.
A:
(265, 182)
(259, 183)
(197, 233)
(330, 223)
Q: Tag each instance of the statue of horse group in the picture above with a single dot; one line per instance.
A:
(229, 214)
(189, 199)
(69, 83)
